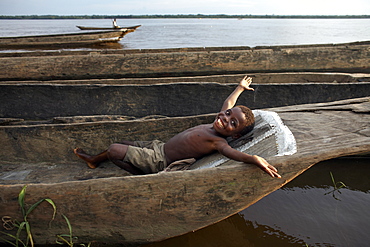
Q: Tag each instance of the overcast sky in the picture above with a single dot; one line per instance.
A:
(137, 7)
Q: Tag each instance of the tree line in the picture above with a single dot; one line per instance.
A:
(184, 16)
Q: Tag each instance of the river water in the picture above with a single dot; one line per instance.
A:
(303, 213)
(174, 33)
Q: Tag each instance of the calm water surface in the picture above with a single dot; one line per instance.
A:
(301, 212)
(174, 33)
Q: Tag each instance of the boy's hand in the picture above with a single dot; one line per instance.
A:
(266, 167)
(246, 82)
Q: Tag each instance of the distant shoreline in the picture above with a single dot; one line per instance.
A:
(198, 16)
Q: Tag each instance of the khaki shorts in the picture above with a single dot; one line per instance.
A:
(148, 156)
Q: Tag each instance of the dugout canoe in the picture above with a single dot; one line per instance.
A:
(157, 63)
(66, 40)
(106, 205)
(140, 97)
(108, 28)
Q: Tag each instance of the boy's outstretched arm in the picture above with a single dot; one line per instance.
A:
(230, 101)
(260, 162)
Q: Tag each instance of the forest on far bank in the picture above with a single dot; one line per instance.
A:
(184, 16)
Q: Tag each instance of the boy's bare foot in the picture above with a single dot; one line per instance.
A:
(84, 156)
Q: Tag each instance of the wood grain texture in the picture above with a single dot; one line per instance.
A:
(350, 57)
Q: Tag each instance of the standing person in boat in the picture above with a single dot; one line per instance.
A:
(151, 157)
(115, 24)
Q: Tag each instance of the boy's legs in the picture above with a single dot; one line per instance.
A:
(113, 154)
(152, 150)
(116, 154)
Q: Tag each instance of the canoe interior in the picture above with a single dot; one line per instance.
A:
(48, 148)
(38, 155)
(27, 101)
(50, 145)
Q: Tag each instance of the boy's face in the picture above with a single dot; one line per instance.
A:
(230, 122)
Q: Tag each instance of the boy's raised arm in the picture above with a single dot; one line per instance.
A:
(230, 101)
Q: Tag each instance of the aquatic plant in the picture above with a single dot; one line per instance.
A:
(68, 238)
(336, 188)
(25, 224)
(10, 224)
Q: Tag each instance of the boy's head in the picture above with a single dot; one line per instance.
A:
(234, 122)
(249, 117)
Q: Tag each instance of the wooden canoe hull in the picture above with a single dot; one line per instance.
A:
(59, 99)
(348, 58)
(138, 209)
(63, 40)
(108, 28)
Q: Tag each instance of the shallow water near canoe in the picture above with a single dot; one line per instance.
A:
(305, 212)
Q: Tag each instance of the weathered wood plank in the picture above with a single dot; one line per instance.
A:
(352, 57)
(258, 78)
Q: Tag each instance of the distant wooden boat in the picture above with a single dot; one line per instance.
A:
(133, 28)
(106, 205)
(64, 40)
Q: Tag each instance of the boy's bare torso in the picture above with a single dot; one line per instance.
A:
(195, 143)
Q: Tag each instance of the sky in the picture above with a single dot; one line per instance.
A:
(150, 7)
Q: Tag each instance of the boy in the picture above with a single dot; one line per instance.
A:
(196, 142)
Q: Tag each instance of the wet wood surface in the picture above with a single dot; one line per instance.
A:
(138, 209)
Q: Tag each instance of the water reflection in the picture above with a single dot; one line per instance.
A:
(299, 214)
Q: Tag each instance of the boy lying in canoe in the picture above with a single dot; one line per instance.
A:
(151, 157)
